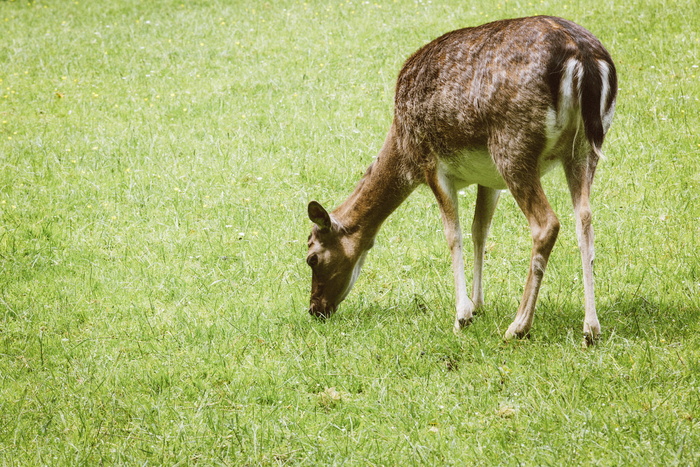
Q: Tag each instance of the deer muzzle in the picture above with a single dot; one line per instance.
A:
(321, 310)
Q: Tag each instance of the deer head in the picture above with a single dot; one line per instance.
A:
(335, 257)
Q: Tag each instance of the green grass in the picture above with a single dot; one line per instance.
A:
(156, 159)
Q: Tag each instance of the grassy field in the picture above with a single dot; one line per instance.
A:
(156, 159)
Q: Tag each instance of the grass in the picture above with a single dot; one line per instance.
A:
(155, 164)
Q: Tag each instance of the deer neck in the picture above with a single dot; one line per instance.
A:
(386, 184)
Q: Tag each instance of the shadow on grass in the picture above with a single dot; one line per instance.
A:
(636, 316)
(630, 317)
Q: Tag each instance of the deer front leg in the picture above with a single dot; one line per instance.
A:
(486, 200)
(544, 226)
(446, 195)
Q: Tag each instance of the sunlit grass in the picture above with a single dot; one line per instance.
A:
(155, 164)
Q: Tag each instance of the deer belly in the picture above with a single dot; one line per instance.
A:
(470, 167)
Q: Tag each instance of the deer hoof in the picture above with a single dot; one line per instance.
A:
(589, 339)
(591, 334)
(516, 331)
(461, 323)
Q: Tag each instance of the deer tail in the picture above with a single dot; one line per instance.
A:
(597, 91)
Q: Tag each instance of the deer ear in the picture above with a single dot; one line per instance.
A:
(319, 216)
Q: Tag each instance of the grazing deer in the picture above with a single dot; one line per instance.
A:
(497, 106)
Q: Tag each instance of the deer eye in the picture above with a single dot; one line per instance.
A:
(312, 260)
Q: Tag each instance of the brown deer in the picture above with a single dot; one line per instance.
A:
(498, 106)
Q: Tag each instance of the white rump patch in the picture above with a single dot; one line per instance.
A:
(569, 92)
(568, 114)
(568, 89)
(606, 116)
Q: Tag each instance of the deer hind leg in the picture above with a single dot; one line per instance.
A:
(446, 194)
(486, 201)
(544, 226)
(579, 175)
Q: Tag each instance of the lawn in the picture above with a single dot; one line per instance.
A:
(156, 160)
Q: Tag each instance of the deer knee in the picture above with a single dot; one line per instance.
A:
(538, 265)
(585, 217)
(553, 226)
(453, 236)
(546, 234)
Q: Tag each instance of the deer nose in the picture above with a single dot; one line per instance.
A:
(316, 312)
(319, 311)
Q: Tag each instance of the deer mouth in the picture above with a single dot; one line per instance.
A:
(321, 312)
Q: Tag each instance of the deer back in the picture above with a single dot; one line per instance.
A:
(477, 87)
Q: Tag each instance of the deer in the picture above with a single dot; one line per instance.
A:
(497, 106)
